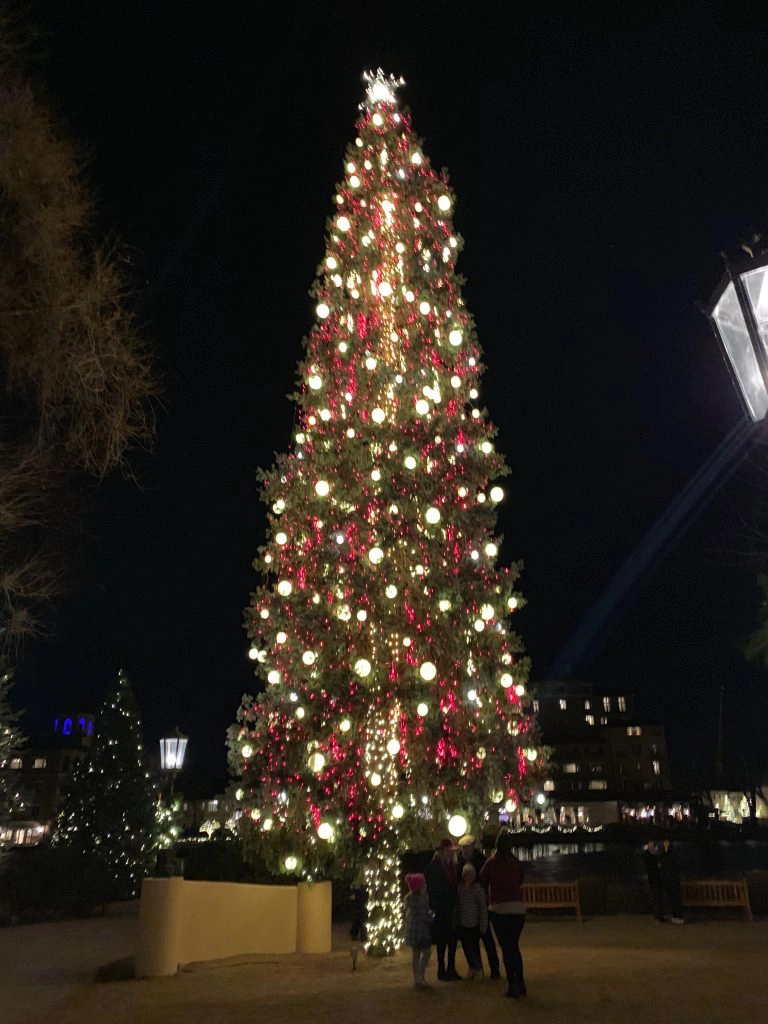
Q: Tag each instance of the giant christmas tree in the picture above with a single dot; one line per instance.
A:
(395, 701)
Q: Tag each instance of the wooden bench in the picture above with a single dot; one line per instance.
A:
(716, 893)
(553, 896)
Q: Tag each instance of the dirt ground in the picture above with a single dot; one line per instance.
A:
(609, 970)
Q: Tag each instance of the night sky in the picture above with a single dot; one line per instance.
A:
(602, 156)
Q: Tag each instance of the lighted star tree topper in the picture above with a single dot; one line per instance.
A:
(395, 703)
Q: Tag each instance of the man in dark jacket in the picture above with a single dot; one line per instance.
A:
(670, 881)
(442, 883)
(469, 854)
(653, 870)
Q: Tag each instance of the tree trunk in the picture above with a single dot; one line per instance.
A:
(385, 916)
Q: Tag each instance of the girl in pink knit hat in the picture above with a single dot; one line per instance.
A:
(418, 933)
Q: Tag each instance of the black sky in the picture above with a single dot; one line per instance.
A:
(602, 155)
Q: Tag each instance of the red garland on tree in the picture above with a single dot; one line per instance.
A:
(395, 696)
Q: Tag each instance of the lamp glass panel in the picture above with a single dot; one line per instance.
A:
(172, 751)
(738, 346)
(756, 285)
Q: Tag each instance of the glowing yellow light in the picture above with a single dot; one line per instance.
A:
(424, 307)
(300, 712)
(322, 487)
(331, 263)
(487, 612)
(354, 181)
(497, 493)
(375, 555)
(391, 591)
(376, 475)
(284, 588)
(432, 515)
(512, 603)
(444, 604)
(479, 625)
(247, 750)
(457, 825)
(375, 779)
(455, 381)
(316, 762)
(506, 680)
(510, 806)
(281, 637)
(322, 310)
(253, 653)
(291, 863)
(362, 615)
(486, 447)
(422, 710)
(281, 538)
(343, 224)
(422, 407)
(482, 753)
(325, 831)
(520, 690)
(378, 415)
(309, 657)
(363, 667)
(385, 289)
(455, 337)
(444, 203)
(410, 462)
(398, 811)
(345, 725)
(531, 754)
(273, 677)
(427, 671)
(393, 747)
(491, 550)
(267, 824)
(370, 363)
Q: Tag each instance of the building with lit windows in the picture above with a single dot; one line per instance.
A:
(603, 759)
(37, 778)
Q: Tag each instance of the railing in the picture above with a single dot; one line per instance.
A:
(553, 896)
(717, 893)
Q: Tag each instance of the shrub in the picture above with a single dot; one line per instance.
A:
(45, 883)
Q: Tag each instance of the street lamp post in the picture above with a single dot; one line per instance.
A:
(172, 751)
(739, 316)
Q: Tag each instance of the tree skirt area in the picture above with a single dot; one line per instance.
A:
(611, 969)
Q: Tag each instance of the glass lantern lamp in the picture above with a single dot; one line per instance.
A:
(739, 315)
(173, 748)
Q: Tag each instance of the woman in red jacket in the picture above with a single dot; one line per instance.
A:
(502, 877)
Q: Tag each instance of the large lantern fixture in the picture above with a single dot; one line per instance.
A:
(739, 315)
(173, 747)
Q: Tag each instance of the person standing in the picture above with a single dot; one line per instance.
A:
(502, 877)
(669, 870)
(418, 934)
(442, 883)
(653, 871)
(471, 919)
(469, 854)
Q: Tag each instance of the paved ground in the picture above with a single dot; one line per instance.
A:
(610, 970)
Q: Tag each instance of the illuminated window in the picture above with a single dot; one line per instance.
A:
(606, 703)
(587, 705)
(535, 707)
(656, 768)
(634, 730)
(563, 704)
(603, 719)
(622, 704)
(39, 762)
(549, 786)
(570, 769)
(15, 762)
(598, 784)
(589, 719)
(213, 805)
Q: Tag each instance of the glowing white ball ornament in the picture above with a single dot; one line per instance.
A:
(363, 667)
(246, 750)
(487, 612)
(291, 863)
(253, 653)
(491, 550)
(309, 657)
(316, 762)
(497, 494)
(397, 811)
(378, 415)
(512, 603)
(325, 831)
(457, 825)
(375, 779)
(444, 604)
(432, 515)
(444, 203)
(520, 690)
(273, 677)
(375, 556)
(455, 337)
(322, 488)
(422, 710)
(424, 307)
(410, 462)
(391, 591)
(345, 725)
(393, 747)
(427, 671)
(343, 224)
(322, 310)
(284, 588)
(506, 680)
(422, 407)
(531, 754)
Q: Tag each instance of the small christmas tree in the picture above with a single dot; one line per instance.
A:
(109, 808)
(395, 704)
(11, 742)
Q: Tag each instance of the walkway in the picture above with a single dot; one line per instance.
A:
(608, 971)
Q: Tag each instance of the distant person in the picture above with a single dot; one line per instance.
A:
(502, 878)
(652, 866)
(469, 854)
(418, 930)
(358, 896)
(669, 868)
(442, 883)
(471, 919)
